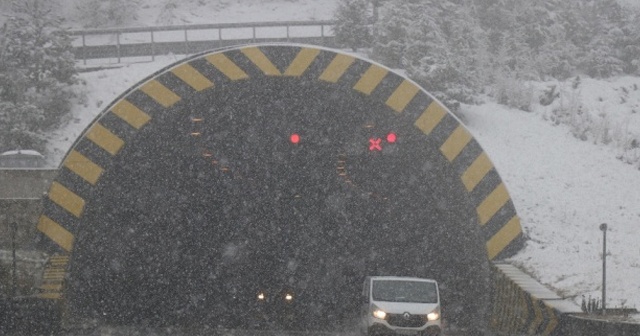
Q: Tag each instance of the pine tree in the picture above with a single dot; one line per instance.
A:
(390, 35)
(604, 19)
(600, 60)
(36, 70)
(455, 47)
(444, 50)
(627, 44)
(557, 56)
(20, 126)
(352, 29)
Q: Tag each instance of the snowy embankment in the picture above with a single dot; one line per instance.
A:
(563, 189)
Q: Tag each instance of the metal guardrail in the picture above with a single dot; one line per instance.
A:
(119, 43)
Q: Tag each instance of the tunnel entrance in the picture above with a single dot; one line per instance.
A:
(273, 168)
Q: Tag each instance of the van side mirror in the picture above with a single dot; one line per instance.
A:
(365, 299)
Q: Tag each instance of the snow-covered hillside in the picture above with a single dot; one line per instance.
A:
(563, 186)
(179, 12)
(563, 189)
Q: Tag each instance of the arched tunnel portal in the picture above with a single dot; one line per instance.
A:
(266, 167)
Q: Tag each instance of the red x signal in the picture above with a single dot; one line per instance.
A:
(374, 144)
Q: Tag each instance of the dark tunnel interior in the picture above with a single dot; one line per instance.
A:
(186, 228)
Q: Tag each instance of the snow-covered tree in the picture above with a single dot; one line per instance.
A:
(36, 70)
(20, 126)
(352, 28)
(627, 43)
(438, 43)
(455, 47)
(391, 36)
(600, 60)
(429, 58)
(603, 20)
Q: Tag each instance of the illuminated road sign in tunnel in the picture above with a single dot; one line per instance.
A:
(266, 167)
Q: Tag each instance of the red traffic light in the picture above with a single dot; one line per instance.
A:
(392, 137)
(294, 138)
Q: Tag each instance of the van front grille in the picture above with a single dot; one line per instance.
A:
(410, 321)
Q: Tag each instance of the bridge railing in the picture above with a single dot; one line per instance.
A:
(114, 44)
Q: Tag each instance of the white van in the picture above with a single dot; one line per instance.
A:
(400, 305)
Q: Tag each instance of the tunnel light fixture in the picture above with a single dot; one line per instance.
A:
(261, 296)
(288, 297)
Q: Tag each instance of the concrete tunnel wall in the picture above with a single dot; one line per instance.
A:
(136, 144)
(21, 192)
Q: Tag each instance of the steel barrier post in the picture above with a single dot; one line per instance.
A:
(153, 48)
(186, 42)
(603, 227)
(118, 45)
(84, 50)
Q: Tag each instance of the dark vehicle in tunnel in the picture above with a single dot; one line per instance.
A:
(402, 305)
(275, 309)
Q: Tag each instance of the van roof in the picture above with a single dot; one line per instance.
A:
(399, 278)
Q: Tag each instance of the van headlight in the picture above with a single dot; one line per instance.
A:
(288, 297)
(379, 314)
(434, 315)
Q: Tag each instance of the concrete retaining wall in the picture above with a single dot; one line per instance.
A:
(522, 306)
(21, 192)
(25, 183)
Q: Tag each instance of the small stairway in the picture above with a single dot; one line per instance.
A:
(53, 277)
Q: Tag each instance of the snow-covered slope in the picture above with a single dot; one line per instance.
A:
(563, 189)
(179, 12)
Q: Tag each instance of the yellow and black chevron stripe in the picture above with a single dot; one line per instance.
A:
(93, 154)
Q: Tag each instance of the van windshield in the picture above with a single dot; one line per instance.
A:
(405, 291)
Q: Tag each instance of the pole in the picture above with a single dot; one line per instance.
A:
(603, 227)
(153, 47)
(118, 45)
(14, 229)
(84, 50)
